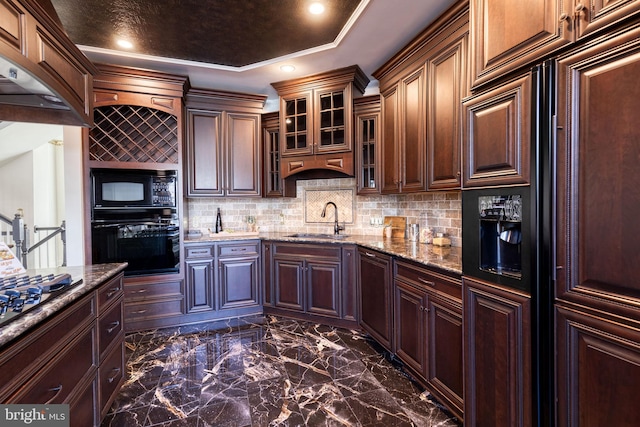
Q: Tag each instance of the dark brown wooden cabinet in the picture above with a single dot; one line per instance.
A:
(76, 357)
(222, 279)
(598, 202)
(598, 252)
(311, 281)
(445, 343)
(368, 142)
(390, 142)
(598, 370)
(428, 329)
(503, 40)
(421, 88)
(316, 120)
(273, 185)
(238, 279)
(376, 295)
(403, 133)
(448, 84)
(497, 341)
(288, 280)
(497, 135)
(199, 278)
(151, 302)
(224, 150)
(410, 325)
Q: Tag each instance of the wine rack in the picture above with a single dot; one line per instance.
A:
(129, 133)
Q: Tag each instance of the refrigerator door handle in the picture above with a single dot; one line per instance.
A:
(554, 192)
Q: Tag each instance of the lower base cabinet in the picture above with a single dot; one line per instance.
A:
(311, 281)
(427, 330)
(497, 337)
(598, 370)
(61, 360)
(376, 298)
(222, 279)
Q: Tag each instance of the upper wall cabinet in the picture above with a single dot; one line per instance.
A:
(507, 35)
(223, 143)
(367, 134)
(316, 120)
(138, 119)
(44, 76)
(497, 125)
(421, 91)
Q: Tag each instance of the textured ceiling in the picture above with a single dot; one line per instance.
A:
(233, 33)
(195, 37)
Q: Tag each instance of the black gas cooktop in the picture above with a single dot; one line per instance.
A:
(19, 294)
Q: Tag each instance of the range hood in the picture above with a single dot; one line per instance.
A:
(44, 78)
(19, 88)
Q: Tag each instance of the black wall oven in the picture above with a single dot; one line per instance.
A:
(134, 219)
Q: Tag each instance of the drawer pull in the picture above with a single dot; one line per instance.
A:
(141, 291)
(370, 255)
(116, 374)
(426, 282)
(58, 390)
(238, 249)
(113, 326)
(200, 252)
(139, 312)
(112, 292)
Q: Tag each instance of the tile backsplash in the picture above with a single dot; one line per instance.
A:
(439, 211)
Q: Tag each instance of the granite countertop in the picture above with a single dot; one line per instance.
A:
(91, 275)
(448, 258)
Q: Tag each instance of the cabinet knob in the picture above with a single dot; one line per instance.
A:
(563, 17)
(580, 7)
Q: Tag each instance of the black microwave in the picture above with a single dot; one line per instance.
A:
(133, 189)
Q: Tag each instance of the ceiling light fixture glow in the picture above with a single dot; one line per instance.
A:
(316, 8)
(287, 68)
(125, 44)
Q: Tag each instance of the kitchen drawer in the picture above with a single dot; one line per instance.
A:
(18, 363)
(110, 292)
(55, 382)
(153, 310)
(238, 249)
(199, 251)
(143, 291)
(427, 279)
(110, 326)
(111, 374)
(314, 250)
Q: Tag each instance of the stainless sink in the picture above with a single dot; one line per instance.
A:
(318, 236)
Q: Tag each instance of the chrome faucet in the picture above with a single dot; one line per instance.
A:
(336, 227)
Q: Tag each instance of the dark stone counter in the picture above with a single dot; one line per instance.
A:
(446, 258)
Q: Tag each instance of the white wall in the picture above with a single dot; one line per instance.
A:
(74, 196)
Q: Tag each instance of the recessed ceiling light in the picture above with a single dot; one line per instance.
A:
(316, 8)
(125, 44)
(287, 68)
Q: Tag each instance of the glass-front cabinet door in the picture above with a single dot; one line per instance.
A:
(332, 127)
(367, 136)
(296, 126)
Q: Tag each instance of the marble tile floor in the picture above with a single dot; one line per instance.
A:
(267, 371)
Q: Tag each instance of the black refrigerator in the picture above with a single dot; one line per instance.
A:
(515, 224)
